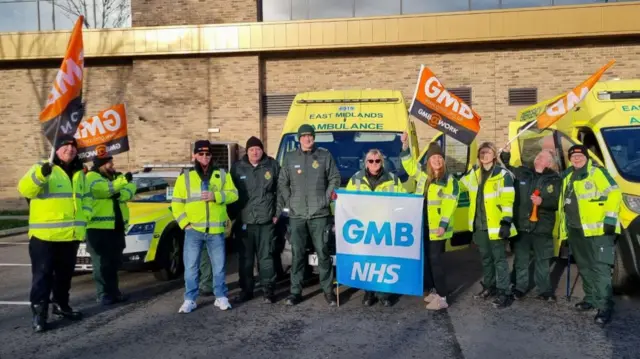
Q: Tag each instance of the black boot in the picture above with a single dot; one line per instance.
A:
(243, 297)
(486, 293)
(584, 306)
(502, 301)
(331, 299)
(66, 311)
(369, 299)
(518, 294)
(603, 317)
(293, 299)
(40, 314)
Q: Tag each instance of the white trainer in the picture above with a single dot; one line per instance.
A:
(188, 306)
(222, 303)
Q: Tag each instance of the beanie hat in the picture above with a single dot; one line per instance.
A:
(578, 149)
(64, 140)
(254, 141)
(434, 149)
(100, 161)
(306, 130)
(201, 146)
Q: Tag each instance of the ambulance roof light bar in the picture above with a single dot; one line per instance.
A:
(351, 100)
(618, 95)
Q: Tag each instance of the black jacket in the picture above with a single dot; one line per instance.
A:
(257, 190)
(527, 181)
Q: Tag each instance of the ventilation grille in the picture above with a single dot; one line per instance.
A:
(273, 105)
(523, 96)
(464, 93)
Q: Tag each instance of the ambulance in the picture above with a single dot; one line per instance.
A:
(607, 122)
(348, 124)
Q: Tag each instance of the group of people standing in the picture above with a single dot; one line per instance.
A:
(507, 203)
(68, 204)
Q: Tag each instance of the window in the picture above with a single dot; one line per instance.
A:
(624, 147)
(565, 144)
(323, 9)
(154, 189)
(588, 138)
(276, 10)
(348, 149)
(456, 154)
(523, 96)
(377, 7)
(427, 6)
(485, 4)
(276, 104)
(506, 4)
(18, 16)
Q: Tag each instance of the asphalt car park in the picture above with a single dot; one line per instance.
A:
(149, 325)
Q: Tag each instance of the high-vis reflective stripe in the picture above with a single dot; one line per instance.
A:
(54, 195)
(494, 231)
(435, 202)
(103, 219)
(611, 214)
(181, 217)
(589, 195)
(187, 182)
(491, 195)
(223, 196)
(358, 182)
(111, 189)
(507, 210)
(507, 189)
(591, 226)
(56, 225)
(35, 179)
(444, 219)
(609, 189)
(210, 224)
(178, 200)
(448, 196)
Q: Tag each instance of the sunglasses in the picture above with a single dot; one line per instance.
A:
(374, 161)
(205, 154)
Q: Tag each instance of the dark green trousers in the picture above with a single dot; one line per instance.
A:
(542, 246)
(594, 257)
(105, 247)
(206, 273)
(259, 241)
(301, 230)
(495, 269)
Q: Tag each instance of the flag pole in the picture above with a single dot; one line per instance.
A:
(519, 133)
(53, 143)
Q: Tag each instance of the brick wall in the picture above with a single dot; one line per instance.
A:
(192, 12)
(490, 74)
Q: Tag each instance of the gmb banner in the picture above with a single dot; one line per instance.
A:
(379, 241)
(442, 110)
(103, 134)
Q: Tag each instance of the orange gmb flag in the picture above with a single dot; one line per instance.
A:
(561, 107)
(442, 110)
(63, 111)
(104, 134)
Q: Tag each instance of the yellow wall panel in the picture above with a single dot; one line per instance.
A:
(477, 26)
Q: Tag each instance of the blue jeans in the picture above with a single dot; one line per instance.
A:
(193, 241)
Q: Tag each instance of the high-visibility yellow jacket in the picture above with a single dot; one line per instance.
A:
(102, 189)
(59, 207)
(442, 197)
(499, 196)
(388, 182)
(188, 207)
(599, 200)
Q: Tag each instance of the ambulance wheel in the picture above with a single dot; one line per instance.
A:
(169, 264)
(621, 279)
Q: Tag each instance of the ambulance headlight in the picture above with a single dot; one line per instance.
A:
(632, 202)
(142, 228)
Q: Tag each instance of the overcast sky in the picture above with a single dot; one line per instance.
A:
(23, 16)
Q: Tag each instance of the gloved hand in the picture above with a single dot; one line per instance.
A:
(609, 229)
(505, 230)
(128, 176)
(46, 169)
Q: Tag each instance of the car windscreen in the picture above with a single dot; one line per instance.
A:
(624, 146)
(349, 148)
(153, 189)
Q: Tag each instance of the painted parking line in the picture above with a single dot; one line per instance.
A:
(14, 303)
(14, 265)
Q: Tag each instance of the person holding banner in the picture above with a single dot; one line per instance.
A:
(440, 191)
(306, 184)
(59, 207)
(374, 178)
(535, 209)
(590, 201)
(106, 229)
(491, 196)
(199, 205)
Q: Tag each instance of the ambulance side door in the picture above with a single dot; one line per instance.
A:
(459, 158)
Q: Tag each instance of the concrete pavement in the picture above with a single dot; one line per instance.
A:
(149, 325)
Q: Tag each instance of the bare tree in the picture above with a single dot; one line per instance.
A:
(97, 13)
